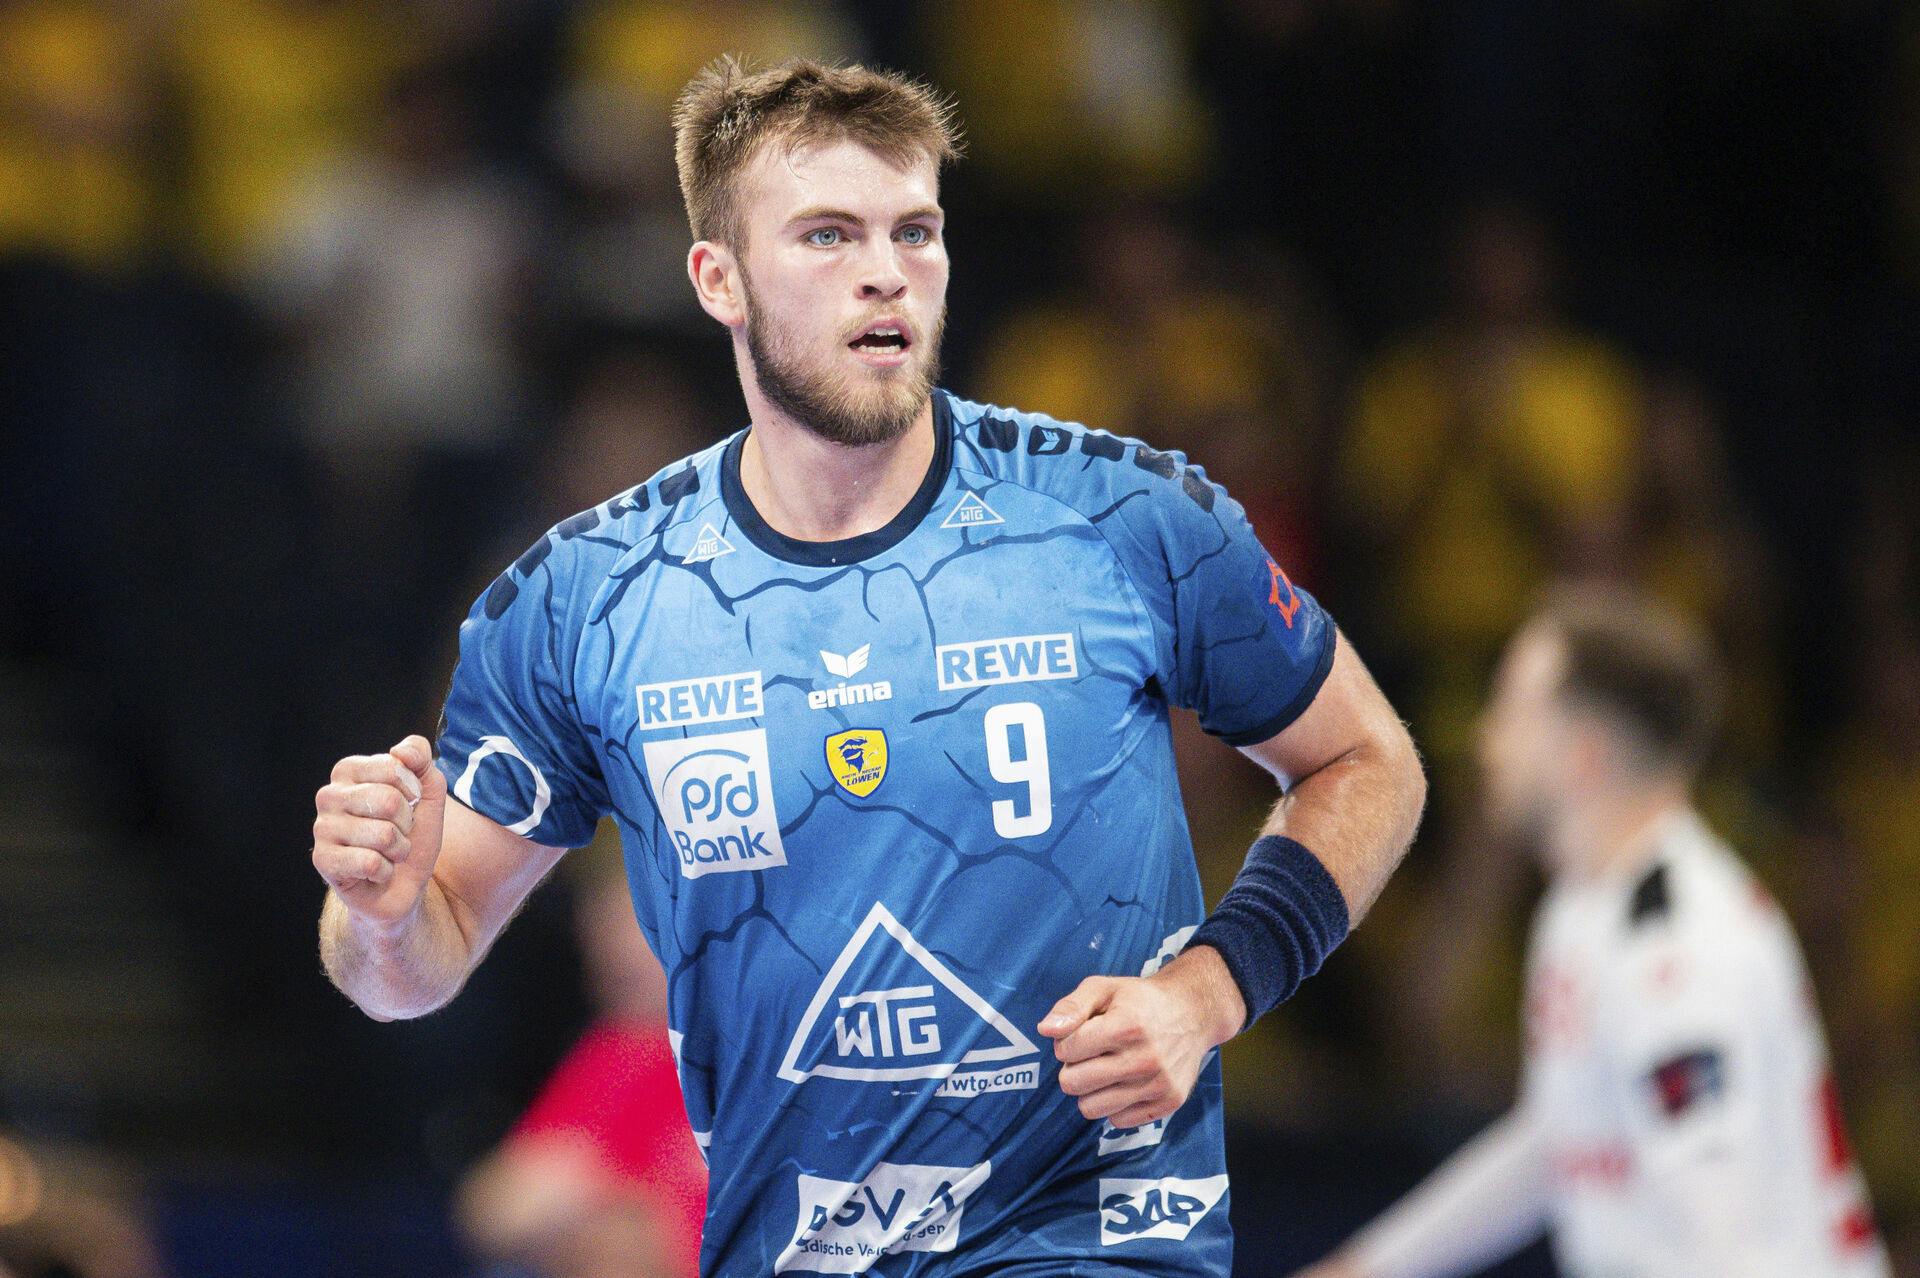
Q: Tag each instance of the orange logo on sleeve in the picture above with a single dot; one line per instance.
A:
(1291, 604)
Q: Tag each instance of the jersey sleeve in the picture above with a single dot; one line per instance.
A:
(512, 744)
(1238, 642)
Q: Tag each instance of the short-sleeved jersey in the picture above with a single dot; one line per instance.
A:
(883, 802)
(1678, 1079)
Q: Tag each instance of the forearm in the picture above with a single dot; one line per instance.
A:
(1357, 814)
(403, 969)
(1483, 1204)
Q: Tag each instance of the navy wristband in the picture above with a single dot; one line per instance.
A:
(1277, 923)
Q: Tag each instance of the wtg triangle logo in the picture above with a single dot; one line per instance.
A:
(971, 511)
(888, 1010)
(709, 545)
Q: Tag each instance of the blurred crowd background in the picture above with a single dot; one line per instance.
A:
(313, 313)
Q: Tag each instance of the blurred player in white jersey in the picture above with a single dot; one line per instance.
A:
(1677, 1117)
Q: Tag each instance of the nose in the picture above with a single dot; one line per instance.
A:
(881, 278)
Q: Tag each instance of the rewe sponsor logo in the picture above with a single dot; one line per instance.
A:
(690, 702)
(845, 1226)
(715, 795)
(708, 545)
(846, 694)
(1022, 659)
(888, 1010)
(1166, 1208)
(971, 511)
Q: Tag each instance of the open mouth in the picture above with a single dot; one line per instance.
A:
(881, 342)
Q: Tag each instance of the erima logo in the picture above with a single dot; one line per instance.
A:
(889, 1011)
(715, 795)
(1022, 659)
(848, 694)
(1166, 1208)
(709, 545)
(848, 666)
(689, 702)
(845, 1226)
(971, 511)
(489, 746)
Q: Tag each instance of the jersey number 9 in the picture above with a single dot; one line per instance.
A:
(1029, 770)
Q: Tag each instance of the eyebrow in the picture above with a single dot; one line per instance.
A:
(822, 213)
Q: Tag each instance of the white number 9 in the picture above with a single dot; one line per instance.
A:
(1030, 771)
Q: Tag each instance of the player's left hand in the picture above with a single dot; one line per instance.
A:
(1131, 1047)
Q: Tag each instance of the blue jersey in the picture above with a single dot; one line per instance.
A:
(883, 802)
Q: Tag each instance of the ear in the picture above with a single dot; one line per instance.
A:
(716, 282)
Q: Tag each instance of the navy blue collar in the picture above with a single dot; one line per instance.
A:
(829, 554)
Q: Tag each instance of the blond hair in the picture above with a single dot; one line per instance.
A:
(727, 112)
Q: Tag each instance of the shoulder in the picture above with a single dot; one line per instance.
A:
(1698, 916)
(576, 555)
(1102, 476)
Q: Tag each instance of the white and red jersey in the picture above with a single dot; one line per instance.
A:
(1677, 1082)
(1677, 1118)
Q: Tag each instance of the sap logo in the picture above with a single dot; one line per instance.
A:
(845, 1226)
(488, 747)
(858, 760)
(1166, 1208)
(888, 1010)
(971, 511)
(715, 795)
(1025, 659)
(845, 694)
(690, 702)
(708, 545)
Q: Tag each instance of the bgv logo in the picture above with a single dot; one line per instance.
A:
(715, 795)
(845, 1226)
(1166, 1208)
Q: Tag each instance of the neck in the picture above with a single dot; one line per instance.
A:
(812, 490)
(1613, 837)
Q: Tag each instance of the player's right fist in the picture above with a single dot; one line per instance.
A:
(376, 834)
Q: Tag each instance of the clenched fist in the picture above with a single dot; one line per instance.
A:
(377, 832)
(1131, 1048)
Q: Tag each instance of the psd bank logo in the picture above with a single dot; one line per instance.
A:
(715, 795)
(1166, 1208)
(845, 1226)
(888, 1010)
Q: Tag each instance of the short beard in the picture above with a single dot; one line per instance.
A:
(836, 413)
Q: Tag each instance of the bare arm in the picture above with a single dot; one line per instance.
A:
(418, 887)
(1133, 1048)
(1353, 784)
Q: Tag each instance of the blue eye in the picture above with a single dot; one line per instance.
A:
(831, 232)
(916, 235)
